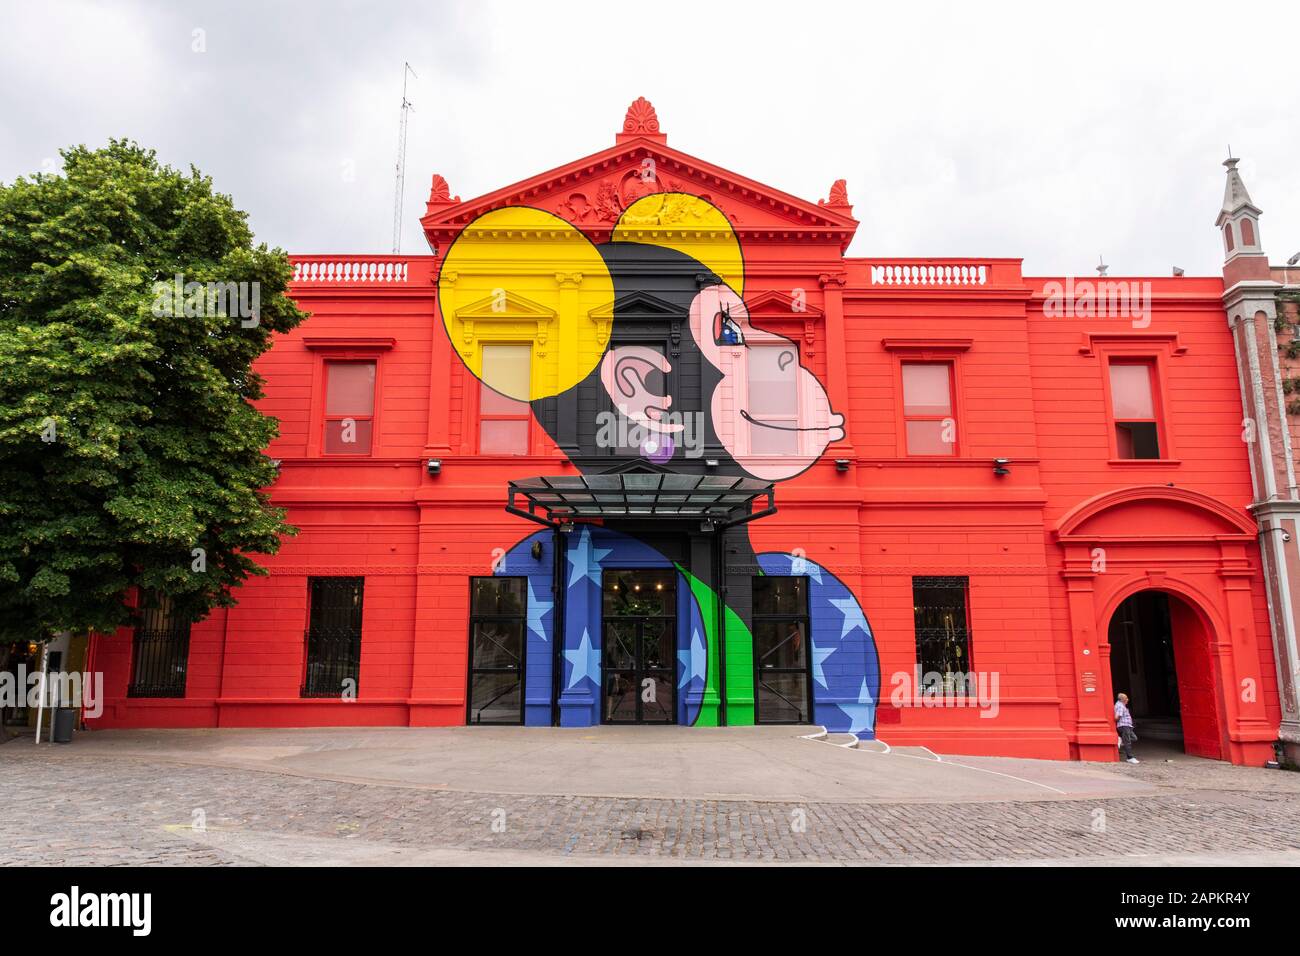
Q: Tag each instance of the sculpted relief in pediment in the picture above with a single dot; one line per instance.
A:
(607, 200)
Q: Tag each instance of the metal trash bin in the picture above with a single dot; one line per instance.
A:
(65, 718)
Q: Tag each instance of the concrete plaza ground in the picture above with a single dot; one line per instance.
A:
(657, 795)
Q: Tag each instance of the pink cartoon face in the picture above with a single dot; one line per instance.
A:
(770, 412)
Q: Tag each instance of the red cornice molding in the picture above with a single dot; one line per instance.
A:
(936, 345)
(373, 343)
(1092, 341)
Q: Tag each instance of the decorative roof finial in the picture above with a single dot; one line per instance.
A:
(439, 194)
(839, 194)
(838, 199)
(1101, 266)
(439, 191)
(641, 121)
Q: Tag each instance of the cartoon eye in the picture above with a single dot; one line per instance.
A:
(725, 329)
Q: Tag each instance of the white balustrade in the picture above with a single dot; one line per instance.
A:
(349, 271)
(918, 275)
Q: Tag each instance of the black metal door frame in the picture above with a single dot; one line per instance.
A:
(805, 620)
(639, 672)
(520, 670)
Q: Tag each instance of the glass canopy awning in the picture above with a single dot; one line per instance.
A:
(721, 499)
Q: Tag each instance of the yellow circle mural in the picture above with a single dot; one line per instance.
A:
(689, 224)
(526, 300)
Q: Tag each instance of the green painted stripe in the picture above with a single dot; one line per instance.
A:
(740, 660)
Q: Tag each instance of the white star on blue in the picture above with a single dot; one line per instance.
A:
(860, 714)
(537, 609)
(819, 655)
(848, 606)
(693, 659)
(585, 661)
(586, 560)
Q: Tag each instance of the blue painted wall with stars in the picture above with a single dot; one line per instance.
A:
(845, 666)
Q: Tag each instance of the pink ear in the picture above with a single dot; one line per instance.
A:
(624, 371)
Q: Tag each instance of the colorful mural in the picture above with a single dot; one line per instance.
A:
(846, 674)
(753, 403)
(644, 316)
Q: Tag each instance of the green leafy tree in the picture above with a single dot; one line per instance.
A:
(130, 452)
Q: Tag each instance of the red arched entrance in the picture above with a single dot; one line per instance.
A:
(1161, 657)
(1201, 555)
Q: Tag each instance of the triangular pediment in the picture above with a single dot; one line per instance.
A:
(592, 192)
(780, 305)
(638, 466)
(636, 303)
(508, 305)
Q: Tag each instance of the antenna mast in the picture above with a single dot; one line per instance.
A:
(399, 189)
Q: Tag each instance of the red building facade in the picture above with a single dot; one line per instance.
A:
(1037, 497)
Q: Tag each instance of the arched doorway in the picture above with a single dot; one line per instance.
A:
(1160, 655)
(1202, 555)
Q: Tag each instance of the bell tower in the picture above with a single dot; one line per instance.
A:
(1238, 222)
(1250, 301)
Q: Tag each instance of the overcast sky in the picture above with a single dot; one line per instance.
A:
(973, 129)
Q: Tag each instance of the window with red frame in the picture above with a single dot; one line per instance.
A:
(928, 421)
(349, 407)
(504, 422)
(1134, 409)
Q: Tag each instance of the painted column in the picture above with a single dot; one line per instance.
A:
(837, 369)
(701, 583)
(1095, 734)
(570, 304)
(1250, 301)
(440, 365)
(1251, 306)
(580, 664)
(1250, 733)
(440, 656)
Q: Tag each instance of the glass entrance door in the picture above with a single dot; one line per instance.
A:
(498, 612)
(639, 646)
(782, 679)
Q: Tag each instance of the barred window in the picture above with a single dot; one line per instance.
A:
(160, 650)
(333, 667)
(942, 627)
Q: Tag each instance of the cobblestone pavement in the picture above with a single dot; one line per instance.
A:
(65, 809)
